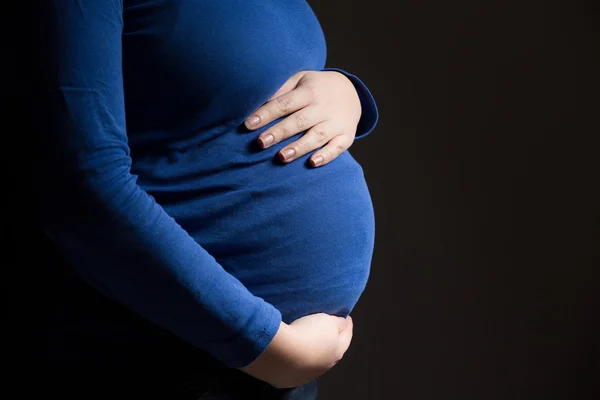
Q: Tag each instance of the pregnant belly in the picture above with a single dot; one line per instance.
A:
(299, 237)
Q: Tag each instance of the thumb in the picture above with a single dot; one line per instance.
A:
(345, 323)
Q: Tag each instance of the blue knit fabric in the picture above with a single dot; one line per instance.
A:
(159, 197)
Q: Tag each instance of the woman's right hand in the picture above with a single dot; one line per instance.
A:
(303, 350)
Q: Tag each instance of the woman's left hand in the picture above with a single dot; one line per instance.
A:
(325, 104)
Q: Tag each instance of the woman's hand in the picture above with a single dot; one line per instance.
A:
(303, 350)
(323, 103)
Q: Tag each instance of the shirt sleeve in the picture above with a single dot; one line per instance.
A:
(112, 232)
(370, 113)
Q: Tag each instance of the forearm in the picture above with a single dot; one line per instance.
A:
(112, 232)
(123, 243)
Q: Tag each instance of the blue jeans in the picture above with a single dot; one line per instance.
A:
(233, 392)
(234, 385)
(304, 392)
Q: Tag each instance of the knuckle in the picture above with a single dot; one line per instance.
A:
(339, 149)
(320, 134)
(299, 146)
(312, 92)
(283, 103)
(301, 120)
(266, 113)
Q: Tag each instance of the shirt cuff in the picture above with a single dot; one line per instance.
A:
(254, 339)
(370, 113)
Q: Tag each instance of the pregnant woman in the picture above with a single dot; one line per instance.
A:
(172, 181)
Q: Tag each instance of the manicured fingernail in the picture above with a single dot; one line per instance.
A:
(266, 140)
(317, 161)
(253, 120)
(287, 153)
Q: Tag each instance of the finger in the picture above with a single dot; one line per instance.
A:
(332, 150)
(345, 340)
(316, 137)
(290, 84)
(344, 323)
(280, 106)
(299, 121)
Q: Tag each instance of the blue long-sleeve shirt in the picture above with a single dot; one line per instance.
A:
(156, 194)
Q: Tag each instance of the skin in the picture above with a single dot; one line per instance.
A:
(303, 350)
(325, 104)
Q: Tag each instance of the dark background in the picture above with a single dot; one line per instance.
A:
(485, 280)
(482, 170)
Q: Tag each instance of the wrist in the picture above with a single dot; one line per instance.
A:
(280, 355)
(283, 341)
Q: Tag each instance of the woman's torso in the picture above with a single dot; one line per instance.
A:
(299, 237)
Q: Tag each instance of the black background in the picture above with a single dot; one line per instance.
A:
(482, 170)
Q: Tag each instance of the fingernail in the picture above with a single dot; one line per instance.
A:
(253, 120)
(317, 161)
(287, 153)
(266, 140)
